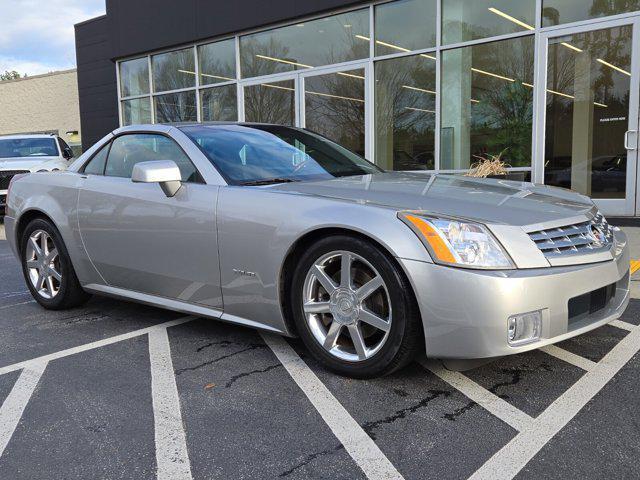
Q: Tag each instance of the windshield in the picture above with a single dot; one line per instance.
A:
(255, 154)
(28, 147)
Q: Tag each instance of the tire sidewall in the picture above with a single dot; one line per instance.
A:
(378, 364)
(65, 263)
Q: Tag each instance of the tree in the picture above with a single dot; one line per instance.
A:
(10, 75)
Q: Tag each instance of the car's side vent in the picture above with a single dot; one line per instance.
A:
(580, 238)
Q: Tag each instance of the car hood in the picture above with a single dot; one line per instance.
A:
(486, 200)
(27, 163)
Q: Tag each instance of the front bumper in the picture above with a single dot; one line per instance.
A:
(465, 312)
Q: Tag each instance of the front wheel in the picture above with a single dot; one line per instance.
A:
(47, 267)
(354, 309)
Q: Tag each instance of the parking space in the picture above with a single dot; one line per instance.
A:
(118, 390)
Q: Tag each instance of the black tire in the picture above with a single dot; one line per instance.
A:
(405, 338)
(70, 294)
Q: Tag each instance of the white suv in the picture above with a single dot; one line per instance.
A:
(28, 154)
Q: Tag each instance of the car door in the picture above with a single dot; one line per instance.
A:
(138, 238)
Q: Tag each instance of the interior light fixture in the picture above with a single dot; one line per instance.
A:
(281, 60)
(473, 100)
(610, 65)
(207, 75)
(601, 105)
(560, 93)
(572, 47)
(335, 96)
(490, 74)
(419, 89)
(395, 47)
(527, 84)
(270, 85)
(420, 109)
(510, 18)
(344, 74)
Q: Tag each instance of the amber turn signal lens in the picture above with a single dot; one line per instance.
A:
(432, 237)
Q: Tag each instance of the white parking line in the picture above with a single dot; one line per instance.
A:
(171, 443)
(622, 325)
(509, 460)
(15, 403)
(572, 358)
(358, 444)
(483, 397)
(90, 346)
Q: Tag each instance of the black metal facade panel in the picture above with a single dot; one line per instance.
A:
(133, 27)
(97, 87)
(139, 26)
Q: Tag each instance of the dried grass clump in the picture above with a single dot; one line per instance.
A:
(488, 165)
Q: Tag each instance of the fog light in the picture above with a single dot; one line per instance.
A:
(524, 328)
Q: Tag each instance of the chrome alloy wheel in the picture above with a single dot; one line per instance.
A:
(43, 264)
(347, 306)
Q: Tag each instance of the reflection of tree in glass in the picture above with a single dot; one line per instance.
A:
(170, 71)
(334, 107)
(176, 107)
(270, 102)
(406, 116)
(502, 116)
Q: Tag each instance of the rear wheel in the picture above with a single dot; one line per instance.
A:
(354, 309)
(47, 267)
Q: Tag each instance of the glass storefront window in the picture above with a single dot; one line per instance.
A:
(588, 94)
(405, 25)
(271, 102)
(217, 62)
(136, 111)
(173, 70)
(334, 107)
(134, 77)
(219, 103)
(335, 39)
(464, 20)
(175, 107)
(555, 12)
(487, 103)
(405, 113)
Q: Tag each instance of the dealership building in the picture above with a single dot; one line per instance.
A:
(551, 86)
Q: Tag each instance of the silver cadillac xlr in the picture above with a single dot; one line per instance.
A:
(279, 228)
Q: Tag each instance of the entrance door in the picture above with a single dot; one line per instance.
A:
(588, 139)
(331, 102)
(334, 105)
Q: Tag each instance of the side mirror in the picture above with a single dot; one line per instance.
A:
(164, 172)
(67, 154)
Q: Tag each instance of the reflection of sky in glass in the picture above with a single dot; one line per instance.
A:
(565, 11)
(335, 39)
(464, 20)
(408, 24)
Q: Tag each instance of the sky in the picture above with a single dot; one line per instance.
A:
(37, 36)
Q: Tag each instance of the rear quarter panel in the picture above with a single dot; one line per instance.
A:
(258, 228)
(56, 196)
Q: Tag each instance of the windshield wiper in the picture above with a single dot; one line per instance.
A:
(268, 181)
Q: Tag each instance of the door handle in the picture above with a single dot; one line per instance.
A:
(626, 140)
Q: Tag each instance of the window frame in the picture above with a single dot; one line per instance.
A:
(370, 127)
(200, 181)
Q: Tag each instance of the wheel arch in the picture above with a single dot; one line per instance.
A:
(296, 250)
(25, 219)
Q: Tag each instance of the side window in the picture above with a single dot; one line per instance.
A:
(127, 150)
(96, 164)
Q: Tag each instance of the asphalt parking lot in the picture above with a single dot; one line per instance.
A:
(117, 390)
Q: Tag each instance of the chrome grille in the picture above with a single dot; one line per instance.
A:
(7, 175)
(580, 238)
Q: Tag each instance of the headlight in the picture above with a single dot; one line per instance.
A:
(458, 242)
